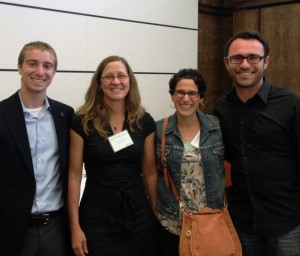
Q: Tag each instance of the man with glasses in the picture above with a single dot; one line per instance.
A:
(261, 129)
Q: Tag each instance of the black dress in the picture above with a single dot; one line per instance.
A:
(115, 213)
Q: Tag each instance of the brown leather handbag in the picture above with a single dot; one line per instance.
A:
(209, 232)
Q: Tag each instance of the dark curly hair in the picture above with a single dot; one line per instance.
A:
(188, 73)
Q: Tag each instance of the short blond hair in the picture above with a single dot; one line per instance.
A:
(37, 45)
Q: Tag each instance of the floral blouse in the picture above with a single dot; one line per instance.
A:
(192, 189)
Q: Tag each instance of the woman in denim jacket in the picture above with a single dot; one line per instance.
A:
(194, 155)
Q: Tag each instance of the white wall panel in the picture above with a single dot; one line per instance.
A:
(66, 5)
(80, 42)
(70, 88)
(169, 12)
(147, 48)
(157, 37)
(155, 94)
(9, 83)
(65, 32)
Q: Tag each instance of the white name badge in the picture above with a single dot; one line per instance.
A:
(120, 140)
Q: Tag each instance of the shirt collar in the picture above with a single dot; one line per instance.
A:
(262, 93)
(46, 104)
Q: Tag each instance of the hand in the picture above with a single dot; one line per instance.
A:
(79, 243)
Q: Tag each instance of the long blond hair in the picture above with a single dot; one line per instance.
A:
(95, 113)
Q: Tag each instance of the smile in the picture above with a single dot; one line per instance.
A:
(116, 89)
(37, 80)
(185, 106)
(245, 73)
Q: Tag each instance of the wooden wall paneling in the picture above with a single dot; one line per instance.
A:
(216, 3)
(210, 56)
(227, 3)
(247, 4)
(277, 20)
(246, 19)
(214, 29)
(228, 32)
(281, 27)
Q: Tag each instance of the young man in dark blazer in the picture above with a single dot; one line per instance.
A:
(34, 152)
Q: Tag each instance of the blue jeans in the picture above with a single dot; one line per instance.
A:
(268, 245)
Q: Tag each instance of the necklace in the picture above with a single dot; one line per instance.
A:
(116, 123)
(116, 127)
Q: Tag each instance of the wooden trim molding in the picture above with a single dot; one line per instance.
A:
(239, 5)
(213, 10)
(254, 4)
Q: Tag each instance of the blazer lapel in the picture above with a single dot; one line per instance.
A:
(58, 117)
(14, 117)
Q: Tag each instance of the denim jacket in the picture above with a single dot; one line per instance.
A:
(212, 151)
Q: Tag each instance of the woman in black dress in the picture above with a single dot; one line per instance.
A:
(114, 137)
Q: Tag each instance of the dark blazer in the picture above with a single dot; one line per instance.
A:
(17, 182)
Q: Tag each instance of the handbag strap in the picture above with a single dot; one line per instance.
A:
(167, 176)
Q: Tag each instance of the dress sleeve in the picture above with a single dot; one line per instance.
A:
(76, 126)
(148, 124)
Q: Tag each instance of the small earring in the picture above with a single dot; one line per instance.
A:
(201, 106)
(172, 106)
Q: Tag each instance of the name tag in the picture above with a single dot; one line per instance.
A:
(120, 140)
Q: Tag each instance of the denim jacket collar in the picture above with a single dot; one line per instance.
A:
(206, 125)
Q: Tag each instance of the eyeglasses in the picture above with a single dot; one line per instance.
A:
(182, 93)
(252, 59)
(109, 78)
